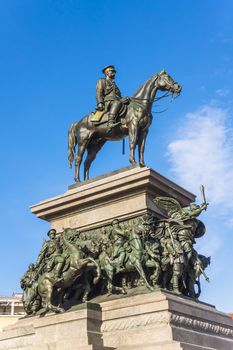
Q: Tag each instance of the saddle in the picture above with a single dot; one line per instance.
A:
(101, 117)
(97, 116)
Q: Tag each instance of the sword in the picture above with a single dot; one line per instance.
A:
(202, 189)
(167, 225)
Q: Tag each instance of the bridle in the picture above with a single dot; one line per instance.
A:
(155, 99)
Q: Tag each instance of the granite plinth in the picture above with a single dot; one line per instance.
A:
(127, 193)
(157, 320)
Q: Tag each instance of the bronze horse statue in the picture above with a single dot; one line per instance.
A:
(135, 121)
(47, 285)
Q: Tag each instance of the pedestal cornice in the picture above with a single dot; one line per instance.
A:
(98, 201)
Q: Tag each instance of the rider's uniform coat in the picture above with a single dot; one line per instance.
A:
(107, 90)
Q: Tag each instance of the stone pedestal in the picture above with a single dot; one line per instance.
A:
(157, 320)
(123, 194)
(150, 320)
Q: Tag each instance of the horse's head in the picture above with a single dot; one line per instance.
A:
(166, 83)
(67, 232)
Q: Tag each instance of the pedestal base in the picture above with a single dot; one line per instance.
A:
(155, 321)
(124, 194)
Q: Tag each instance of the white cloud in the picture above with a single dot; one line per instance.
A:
(202, 153)
(222, 92)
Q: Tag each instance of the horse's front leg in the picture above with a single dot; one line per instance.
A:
(141, 146)
(87, 288)
(47, 301)
(140, 270)
(133, 134)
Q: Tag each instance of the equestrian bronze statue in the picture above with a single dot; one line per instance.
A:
(116, 118)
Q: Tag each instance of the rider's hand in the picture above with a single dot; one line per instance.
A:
(204, 206)
(100, 107)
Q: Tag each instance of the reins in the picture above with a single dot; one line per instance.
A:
(171, 100)
(167, 94)
(154, 99)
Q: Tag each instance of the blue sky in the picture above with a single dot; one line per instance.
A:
(52, 53)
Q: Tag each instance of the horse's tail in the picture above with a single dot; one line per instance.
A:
(72, 142)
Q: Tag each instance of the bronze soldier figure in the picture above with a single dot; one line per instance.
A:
(29, 284)
(119, 252)
(174, 260)
(108, 96)
(51, 255)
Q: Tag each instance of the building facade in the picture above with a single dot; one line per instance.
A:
(11, 309)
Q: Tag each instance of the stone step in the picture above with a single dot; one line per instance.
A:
(195, 347)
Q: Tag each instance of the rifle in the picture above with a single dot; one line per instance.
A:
(167, 225)
(204, 274)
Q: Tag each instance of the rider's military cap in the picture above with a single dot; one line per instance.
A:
(51, 231)
(111, 66)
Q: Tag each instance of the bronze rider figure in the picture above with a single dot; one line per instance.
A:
(108, 96)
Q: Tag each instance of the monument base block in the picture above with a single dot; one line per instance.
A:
(124, 194)
(157, 320)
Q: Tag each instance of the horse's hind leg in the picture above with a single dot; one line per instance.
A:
(139, 268)
(87, 288)
(82, 145)
(110, 287)
(92, 150)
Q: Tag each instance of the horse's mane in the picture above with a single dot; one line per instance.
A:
(140, 93)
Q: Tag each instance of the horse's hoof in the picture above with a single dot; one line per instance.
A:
(142, 164)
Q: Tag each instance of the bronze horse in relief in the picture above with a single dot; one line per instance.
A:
(48, 286)
(134, 122)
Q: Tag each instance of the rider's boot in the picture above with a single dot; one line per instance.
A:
(111, 122)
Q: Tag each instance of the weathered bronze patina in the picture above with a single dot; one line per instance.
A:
(116, 118)
(142, 251)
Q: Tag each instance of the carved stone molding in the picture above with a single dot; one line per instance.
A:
(200, 325)
(135, 322)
